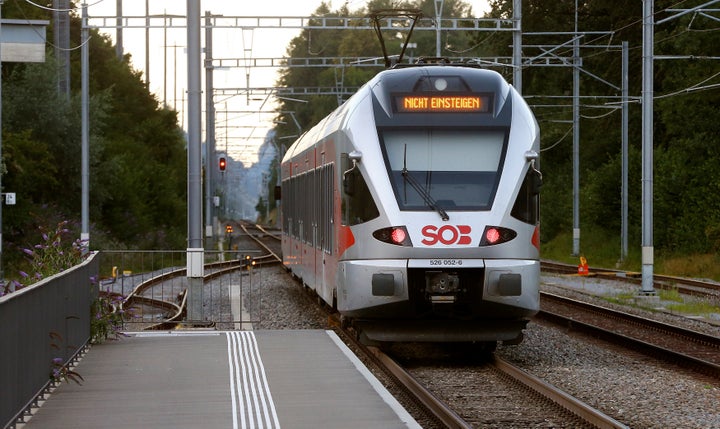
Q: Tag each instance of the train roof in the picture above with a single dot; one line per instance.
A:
(408, 78)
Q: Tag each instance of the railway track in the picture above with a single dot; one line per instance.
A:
(498, 388)
(701, 288)
(154, 299)
(160, 301)
(480, 394)
(687, 348)
(426, 400)
(553, 401)
(258, 234)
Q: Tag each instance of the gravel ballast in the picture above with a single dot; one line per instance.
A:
(634, 389)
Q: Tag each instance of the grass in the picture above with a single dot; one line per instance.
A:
(670, 295)
(693, 307)
(602, 250)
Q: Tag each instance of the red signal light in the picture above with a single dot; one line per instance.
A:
(492, 235)
(398, 235)
(222, 163)
(496, 235)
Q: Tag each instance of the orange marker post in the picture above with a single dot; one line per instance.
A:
(583, 269)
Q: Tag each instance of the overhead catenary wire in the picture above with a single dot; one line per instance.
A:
(73, 9)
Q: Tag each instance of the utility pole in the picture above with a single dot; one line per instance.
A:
(517, 46)
(195, 250)
(119, 30)
(2, 198)
(647, 147)
(147, 43)
(624, 150)
(576, 137)
(210, 154)
(438, 26)
(62, 45)
(85, 132)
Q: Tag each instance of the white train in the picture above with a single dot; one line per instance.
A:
(413, 209)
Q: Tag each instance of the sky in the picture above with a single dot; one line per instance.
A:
(238, 131)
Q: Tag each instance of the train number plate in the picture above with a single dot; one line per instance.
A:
(445, 263)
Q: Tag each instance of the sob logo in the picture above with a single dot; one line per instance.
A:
(446, 234)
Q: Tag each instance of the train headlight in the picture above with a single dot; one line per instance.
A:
(496, 235)
(396, 235)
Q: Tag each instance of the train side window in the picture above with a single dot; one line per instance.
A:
(527, 207)
(358, 205)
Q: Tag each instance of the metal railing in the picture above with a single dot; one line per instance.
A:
(47, 320)
(51, 318)
(230, 293)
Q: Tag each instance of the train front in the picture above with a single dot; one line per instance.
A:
(440, 200)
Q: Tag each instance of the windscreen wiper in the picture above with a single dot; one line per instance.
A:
(429, 200)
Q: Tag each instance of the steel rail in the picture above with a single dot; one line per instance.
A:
(695, 287)
(435, 406)
(442, 412)
(176, 311)
(566, 401)
(268, 233)
(272, 254)
(425, 399)
(651, 349)
(451, 419)
(627, 318)
(217, 269)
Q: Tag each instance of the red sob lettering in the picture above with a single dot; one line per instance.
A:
(446, 235)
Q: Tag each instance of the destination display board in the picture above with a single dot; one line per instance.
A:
(406, 103)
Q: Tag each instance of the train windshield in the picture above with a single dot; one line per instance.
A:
(444, 170)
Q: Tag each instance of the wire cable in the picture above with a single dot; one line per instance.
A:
(557, 142)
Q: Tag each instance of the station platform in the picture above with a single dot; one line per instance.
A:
(214, 379)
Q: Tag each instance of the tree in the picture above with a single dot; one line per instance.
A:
(685, 122)
(356, 43)
(137, 150)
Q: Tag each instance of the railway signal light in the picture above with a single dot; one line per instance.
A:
(248, 262)
(222, 163)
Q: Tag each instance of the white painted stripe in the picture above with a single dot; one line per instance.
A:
(379, 388)
(232, 364)
(252, 403)
(248, 385)
(260, 378)
(151, 334)
(252, 370)
(241, 377)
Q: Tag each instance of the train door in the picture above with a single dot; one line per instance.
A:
(312, 262)
(302, 229)
(327, 208)
(325, 182)
(319, 257)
